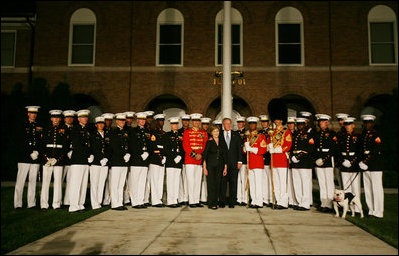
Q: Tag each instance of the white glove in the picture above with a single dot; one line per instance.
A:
(103, 161)
(177, 159)
(144, 156)
(48, 163)
(163, 160)
(270, 148)
(294, 159)
(246, 145)
(278, 150)
(34, 155)
(53, 161)
(253, 150)
(90, 159)
(346, 163)
(363, 166)
(69, 154)
(319, 162)
(126, 157)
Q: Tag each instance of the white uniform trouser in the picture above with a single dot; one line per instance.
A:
(78, 186)
(255, 177)
(354, 188)
(183, 195)
(147, 187)
(117, 182)
(126, 189)
(290, 188)
(194, 174)
(66, 174)
(325, 176)
(374, 192)
(311, 189)
(301, 179)
(267, 185)
(137, 182)
(107, 193)
(156, 183)
(280, 185)
(172, 184)
(204, 189)
(242, 194)
(57, 189)
(23, 170)
(98, 176)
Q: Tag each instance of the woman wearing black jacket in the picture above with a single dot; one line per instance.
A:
(214, 166)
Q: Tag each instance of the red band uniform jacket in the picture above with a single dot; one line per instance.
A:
(194, 141)
(258, 141)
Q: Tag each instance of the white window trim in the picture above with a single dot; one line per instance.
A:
(182, 44)
(395, 31)
(302, 44)
(15, 47)
(241, 47)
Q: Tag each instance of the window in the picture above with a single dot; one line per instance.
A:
(170, 38)
(289, 37)
(382, 35)
(8, 40)
(82, 39)
(236, 38)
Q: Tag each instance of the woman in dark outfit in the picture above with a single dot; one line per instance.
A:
(214, 166)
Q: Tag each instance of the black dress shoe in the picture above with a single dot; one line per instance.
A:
(270, 205)
(147, 204)
(222, 205)
(236, 203)
(280, 207)
(265, 204)
(253, 206)
(43, 209)
(192, 205)
(137, 207)
(204, 203)
(243, 204)
(172, 206)
(199, 205)
(159, 205)
(124, 208)
(231, 205)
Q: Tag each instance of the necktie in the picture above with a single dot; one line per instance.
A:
(228, 140)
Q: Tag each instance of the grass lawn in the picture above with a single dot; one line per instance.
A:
(22, 226)
(385, 229)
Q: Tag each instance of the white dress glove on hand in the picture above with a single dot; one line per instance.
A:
(163, 160)
(34, 155)
(294, 159)
(53, 161)
(253, 150)
(246, 145)
(126, 157)
(144, 156)
(103, 161)
(90, 159)
(363, 166)
(278, 150)
(48, 163)
(346, 163)
(69, 154)
(319, 162)
(270, 148)
(177, 159)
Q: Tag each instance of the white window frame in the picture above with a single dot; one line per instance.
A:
(82, 21)
(236, 19)
(375, 15)
(15, 46)
(170, 22)
(289, 19)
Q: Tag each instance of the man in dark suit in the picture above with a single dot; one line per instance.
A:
(232, 142)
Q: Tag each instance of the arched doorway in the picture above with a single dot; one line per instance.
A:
(240, 108)
(296, 103)
(169, 105)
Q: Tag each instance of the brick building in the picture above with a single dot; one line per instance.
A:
(324, 57)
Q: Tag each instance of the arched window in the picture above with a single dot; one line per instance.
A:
(82, 38)
(289, 37)
(236, 38)
(170, 27)
(383, 43)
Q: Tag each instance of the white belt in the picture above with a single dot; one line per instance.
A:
(323, 149)
(367, 152)
(53, 146)
(348, 153)
(160, 146)
(196, 147)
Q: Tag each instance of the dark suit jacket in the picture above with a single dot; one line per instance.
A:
(234, 153)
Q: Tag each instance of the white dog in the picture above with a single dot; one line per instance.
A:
(344, 200)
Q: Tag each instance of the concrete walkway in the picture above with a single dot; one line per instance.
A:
(203, 231)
